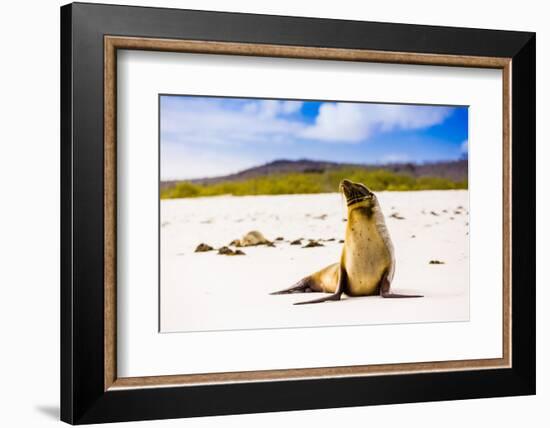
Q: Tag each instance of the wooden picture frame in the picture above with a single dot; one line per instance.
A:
(91, 391)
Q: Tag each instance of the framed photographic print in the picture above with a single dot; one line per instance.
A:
(265, 213)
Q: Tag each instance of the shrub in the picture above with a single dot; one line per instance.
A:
(311, 182)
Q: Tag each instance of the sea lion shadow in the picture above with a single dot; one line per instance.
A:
(406, 292)
(345, 298)
(359, 299)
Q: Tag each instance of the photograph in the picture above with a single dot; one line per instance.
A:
(279, 213)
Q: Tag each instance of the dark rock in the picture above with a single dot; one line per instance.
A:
(397, 216)
(312, 243)
(201, 248)
(226, 251)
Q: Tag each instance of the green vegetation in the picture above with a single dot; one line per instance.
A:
(315, 182)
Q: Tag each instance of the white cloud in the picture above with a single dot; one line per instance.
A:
(181, 162)
(272, 108)
(289, 107)
(464, 147)
(209, 121)
(353, 123)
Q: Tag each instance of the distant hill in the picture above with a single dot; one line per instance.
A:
(449, 170)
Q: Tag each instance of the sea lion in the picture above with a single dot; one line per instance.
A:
(251, 239)
(367, 264)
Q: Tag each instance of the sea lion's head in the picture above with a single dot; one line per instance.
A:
(357, 194)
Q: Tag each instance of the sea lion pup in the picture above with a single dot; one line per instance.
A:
(251, 239)
(367, 264)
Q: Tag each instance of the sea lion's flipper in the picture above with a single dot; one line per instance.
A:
(342, 281)
(302, 286)
(387, 294)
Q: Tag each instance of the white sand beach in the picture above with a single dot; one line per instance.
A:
(207, 291)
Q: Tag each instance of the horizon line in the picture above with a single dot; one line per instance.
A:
(385, 164)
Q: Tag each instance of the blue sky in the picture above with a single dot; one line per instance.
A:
(211, 136)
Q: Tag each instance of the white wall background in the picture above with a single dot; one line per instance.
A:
(29, 214)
